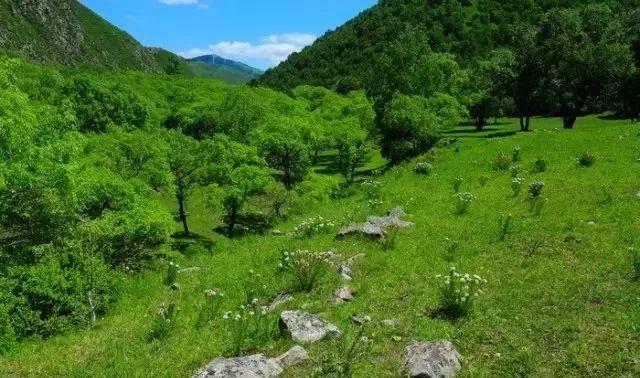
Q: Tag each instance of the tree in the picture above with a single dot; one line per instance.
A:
(353, 148)
(242, 182)
(490, 75)
(283, 146)
(186, 162)
(411, 125)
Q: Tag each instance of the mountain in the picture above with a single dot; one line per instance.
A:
(226, 70)
(343, 59)
(68, 33)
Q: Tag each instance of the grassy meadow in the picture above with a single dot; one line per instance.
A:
(560, 298)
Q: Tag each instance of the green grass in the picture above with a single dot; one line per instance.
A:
(560, 298)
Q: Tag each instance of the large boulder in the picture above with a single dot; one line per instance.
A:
(254, 366)
(433, 359)
(307, 328)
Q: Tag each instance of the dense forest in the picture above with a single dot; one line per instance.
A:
(87, 154)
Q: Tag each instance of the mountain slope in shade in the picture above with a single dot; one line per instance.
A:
(226, 70)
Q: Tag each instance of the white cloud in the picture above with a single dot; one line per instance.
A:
(272, 48)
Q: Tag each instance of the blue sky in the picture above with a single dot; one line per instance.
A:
(258, 32)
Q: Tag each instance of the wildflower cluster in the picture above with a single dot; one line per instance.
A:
(254, 285)
(371, 188)
(458, 292)
(452, 247)
(306, 267)
(463, 202)
(516, 155)
(423, 168)
(249, 326)
(515, 170)
(163, 322)
(313, 226)
(209, 307)
(502, 162)
(535, 199)
(516, 185)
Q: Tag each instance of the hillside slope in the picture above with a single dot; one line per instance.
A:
(344, 58)
(68, 33)
(227, 70)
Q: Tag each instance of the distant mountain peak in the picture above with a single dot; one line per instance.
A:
(226, 69)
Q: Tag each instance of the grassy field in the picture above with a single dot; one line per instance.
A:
(560, 298)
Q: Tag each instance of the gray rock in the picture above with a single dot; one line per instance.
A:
(254, 366)
(342, 295)
(345, 272)
(390, 322)
(278, 301)
(431, 359)
(375, 227)
(397, 212)
(361, 319)
(307, 328)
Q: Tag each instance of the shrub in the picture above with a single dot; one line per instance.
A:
(209, 307)
(516, 185)
(539, 165)
(171, 275)
(163, 322)
(313, 226)
(306, 267)
(535, 198)
(458, 293)
(7, 334)
(457, 184)
(516, 155)
(423, 168)
(463, 202)
(586, 159)
(502, 162)
(505, 224)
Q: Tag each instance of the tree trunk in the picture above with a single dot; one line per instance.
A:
(569, 121)
(233, 215)
(183, 214)
(481, 122)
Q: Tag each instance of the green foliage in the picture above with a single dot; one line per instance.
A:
(458, 293)
(586, 159)
(502, 162)
(505, 223)
(208, 310)
(462, 202)
(635, 263)
(163, 322)
(539, 165)
(305, 267)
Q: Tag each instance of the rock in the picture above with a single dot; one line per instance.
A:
(355, 259)
(294, 356)
(345, 272)
(278, 301)
(342, 295)
(638, 194)
(361, 319)
(431, 359)
(397, 212)
(254, 366)
(307, 328)
(375, 227)
(390, 322)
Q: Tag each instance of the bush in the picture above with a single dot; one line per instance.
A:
(535, 199)
(502, 162)
(505, 224)
(539, 165)
(458, 293)
(586, 160)
(313, 226)
(163, 322)
(171, 275)
(423, 168)
(463, 202)
(306, 267)
(7, 334)
(515, 170)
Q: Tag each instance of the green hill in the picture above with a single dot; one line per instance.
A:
(347, 57)
(227, 70)
(68, 33)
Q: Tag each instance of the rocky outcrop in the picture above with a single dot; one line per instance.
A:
(431, 359)
(307, 328)
(254, 366)
(343, 295)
